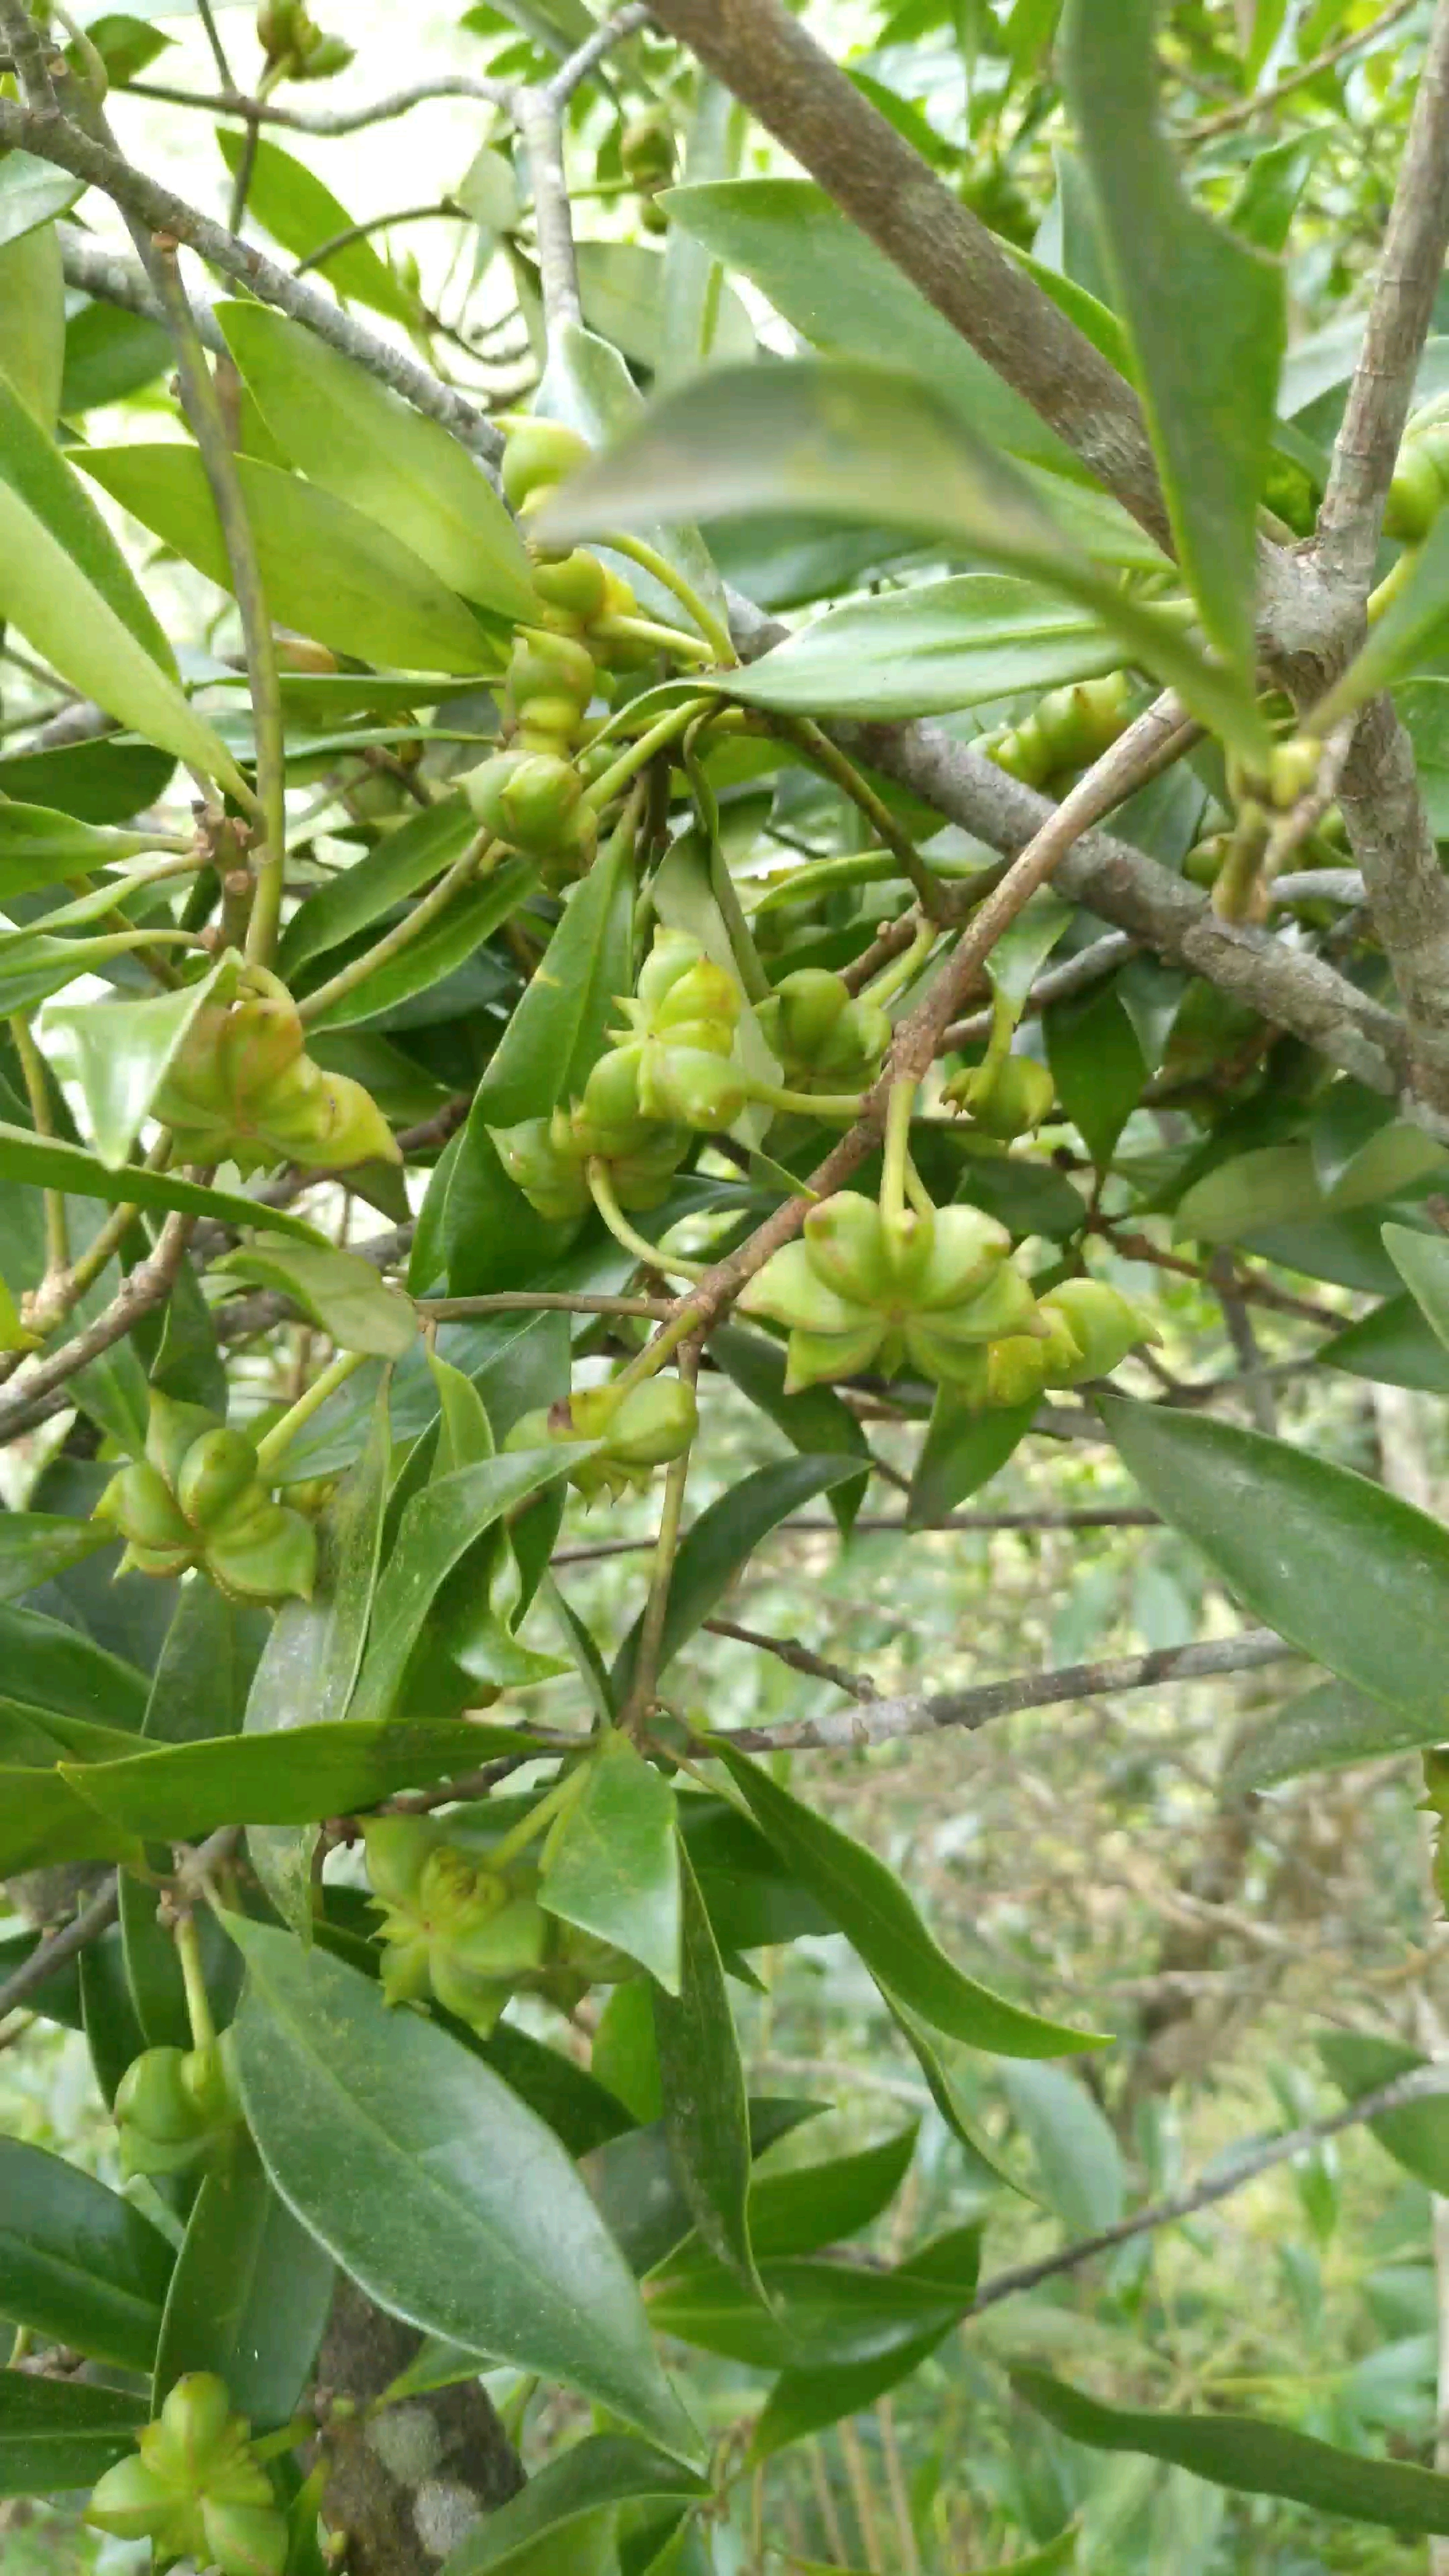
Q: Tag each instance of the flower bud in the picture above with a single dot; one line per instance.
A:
(398, 1849)
(139, 1503)
(654, 1423)
(610, 1117)
(1293, 768)
(551, 1180)
(321, 59)
(538, 454)
(848, 1249)
(691, 1088)
(1006, 1099)
(551, 679)
(214, 1472)
(528, 799)
(576, 586)
(197, 2425)
(160, 2127)
(171, 1428)
(1103, 1323)
(273, 1560)
(646, 149)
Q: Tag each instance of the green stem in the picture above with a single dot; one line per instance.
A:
(529, 1827)
(275, 1442)
(829, 757)
(193, 1977)
(808, 1104)
(656, 1609)
(917, 1192)
(648, 630)
(421, 918)
(665, 729)
(648, 1362)
(893, 978)
(37, 1092)
(900, 1102)
(601, 1187)
(651, 561)
(746, 956)
(208, 427)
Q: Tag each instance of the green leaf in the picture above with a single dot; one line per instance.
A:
(602, 2472)
(706, 2116)
(471, 917)
(865, 444)
(984, 2167)
(926, 650)
(1322, 1729)
(814, 2205)
(77, 2263)
(403, 862)
(1392, 1344)
(105, 781)
(437, 1529)
(962, 1450)
(587, 385)
(815, 1421)
(1205, 310)
(32, 191)
(340, 1291)
(1407, 629)
(433, 2187)
(1097, 1065)
(121, 1052)
(724, 1538)
(803, 2402)
(867, 1902)
(66, 585)
(557, 1032)
(696, 309)
(32, 318)
(1417, 2136)
(38, 845)
(60, 2434)
(612, 1864)
(249, 2295)
(1077, 2157)
(822, 2314)
(1254, 2458)
(357, 439)
(1280, 1526)
(35, 1546)
(310, 1663)
(108, 356)
(326, 570)
(181, 1791)
(622, 286)
(43, 1821)
(59, 1669)
(1422, 1262)
(47, 1162)
(301, 214)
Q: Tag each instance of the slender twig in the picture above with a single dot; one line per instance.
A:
(1243, 109)
(119, 281)
(835, 764)
(25, 42)
(536, 113)
(401, 936)
(53, 1951)
(1347, 533)
(202, 406)
(1253, 1290)
(37, 1091)
(788, 1650)
(57, 140)
(886, 1721)
(319, 257)
(645, 1679)
(324, 121)
(1077, 975)
(576, 69)
(1421, 2084)
(212, 32)
(878, 1524)
(449, 1310)
(141, 1289)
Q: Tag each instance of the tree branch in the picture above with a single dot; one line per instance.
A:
(538, 117)
(800, 96)
(576, 69)
(142, 1288)
(1421, 2084)
(886, 1721)
(1242, 110)
(1106, 1516)
(119, 281)
(325, 122)
(25, 42)
(54, 1949)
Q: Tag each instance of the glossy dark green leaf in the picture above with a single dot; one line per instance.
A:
(581, 2112)
(867, 1902)
(301, 214)
(706, 2117)
(603, 2471)
(105, 781)
(1097, 1065)
(1206, 313)
(58, 1998)
(819, 2204)
(822, 2314)
(249, 2295)
(341, 1292)
(32, 192)
(473, 916)
(557, 1031)
(1394, 1345)
(962, 1451)
(363, 442)
(34, 1546)
(108, 355)
(753, 1896)
(403, 863)
(43, 1736)
(39, 846)
(723, 1538)
(1280, 1526)
(1322, 1729)
(446, 2200)
(612, 1866)
(78, 2263)
(42, 1820)
(635, 2178)
(61, 2434)
(52, 1666)
(1254, 2458)
(437, 1529)
(48, 1162)
(815, 1421)
(1078, 2161)
(803, 2402)
(328, 571)
(1422, 1261)
(925, 650)
(853, 443)
(984, 2167)
(1417, 2136)
(181, 1791)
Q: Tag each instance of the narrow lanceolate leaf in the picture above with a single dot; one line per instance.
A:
(558, 1030)
(249, 2296)
(446, 2200)
(61, 2434)
(961, 1452)
(48, 1162)
(35, 1546)
(77, 2263)
(1205, 310)
(922, 651)
(32, 318)
(181, 1791)
(1255, 2458)
(1322, 1729)
(706, 2114)
(867, 1902)
(403, 862)
(1422, 1262)
(602, 2472)
(340, 1291)
(853, 443)
(612, 1864)
(327, 571)
(1417, 2134)
(302, 214)
(351, 435)
(587, 384)
(66, 585)
(815, 1421)
(1280, 1527)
